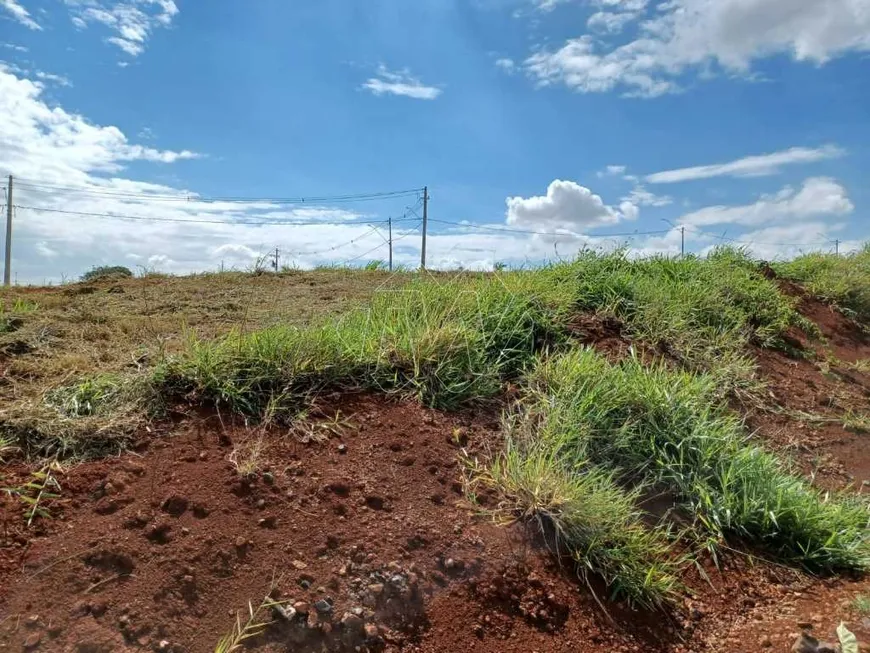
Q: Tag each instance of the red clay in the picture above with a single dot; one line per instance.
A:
(159, 549)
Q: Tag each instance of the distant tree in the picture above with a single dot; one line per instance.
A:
(107, 272)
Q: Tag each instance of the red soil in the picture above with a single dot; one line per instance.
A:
(159, 549)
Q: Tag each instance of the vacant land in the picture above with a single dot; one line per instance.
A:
(607, 454)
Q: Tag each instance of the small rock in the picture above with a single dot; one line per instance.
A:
(352, 622)
(323, 607)
(267, 522)
(285, 612)
(372, 631)
(32, 640)
(241, 542)
(376, 589)
(805, 644)
(342, 448)
(298, 564)
(163, 644)
(302, 607)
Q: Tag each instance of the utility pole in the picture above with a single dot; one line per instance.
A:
(275, 261)
(425, 224)
(682, 242)
(837, 246)
(390, 241)
(7, 271)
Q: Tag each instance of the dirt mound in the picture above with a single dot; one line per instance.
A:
(358, 525)
(362, 533)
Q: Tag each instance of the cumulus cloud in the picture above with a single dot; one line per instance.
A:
(506, 64)
(682, 36)
(131, 22)
(19, 13)
(818, 196)
(567, 206)
(400, 83)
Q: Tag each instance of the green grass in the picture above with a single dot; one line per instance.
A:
(861, 605)
(583, 513)
(448, 341)
(666, 428)
(11, 312)
(704, 311)
(445, 342)
(841, 280)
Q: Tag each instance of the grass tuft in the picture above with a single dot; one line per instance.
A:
(841, 280)
(583, 513)
(668, 428)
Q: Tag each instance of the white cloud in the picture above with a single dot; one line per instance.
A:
(750, 166)
(400, 83)
(610, 22)
(506, 64)
(132, 21)
(50, 77)
(640, 196)
(818, 196)
(19, 13)
(43, 249)
(567, 206)
(15, 47)
(683, 36)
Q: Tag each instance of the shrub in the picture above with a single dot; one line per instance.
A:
(107, 272)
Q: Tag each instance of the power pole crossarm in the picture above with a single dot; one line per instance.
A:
(425, 224)
(7, 270)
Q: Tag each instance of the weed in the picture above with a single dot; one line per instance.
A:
(669, 428)
(861, 605)
(90, 396)
(248, 457)
(43, 487)
(862, 365)
(254, 625)
(7, 447)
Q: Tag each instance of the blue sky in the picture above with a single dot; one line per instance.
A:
(541, 126)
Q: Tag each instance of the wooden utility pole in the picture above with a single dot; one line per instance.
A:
(837, 246)
(7, 270)
(390, 241)
(682, 242)
(275, 261)
(425, 224)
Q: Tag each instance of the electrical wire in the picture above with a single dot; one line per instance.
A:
(248, 221)
(544, 233)
(377, 247)
(179, 197)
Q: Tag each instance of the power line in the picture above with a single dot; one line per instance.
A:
(379, 245)
(544, 233)
(753, 242)
(249, 221)
(180, 197)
